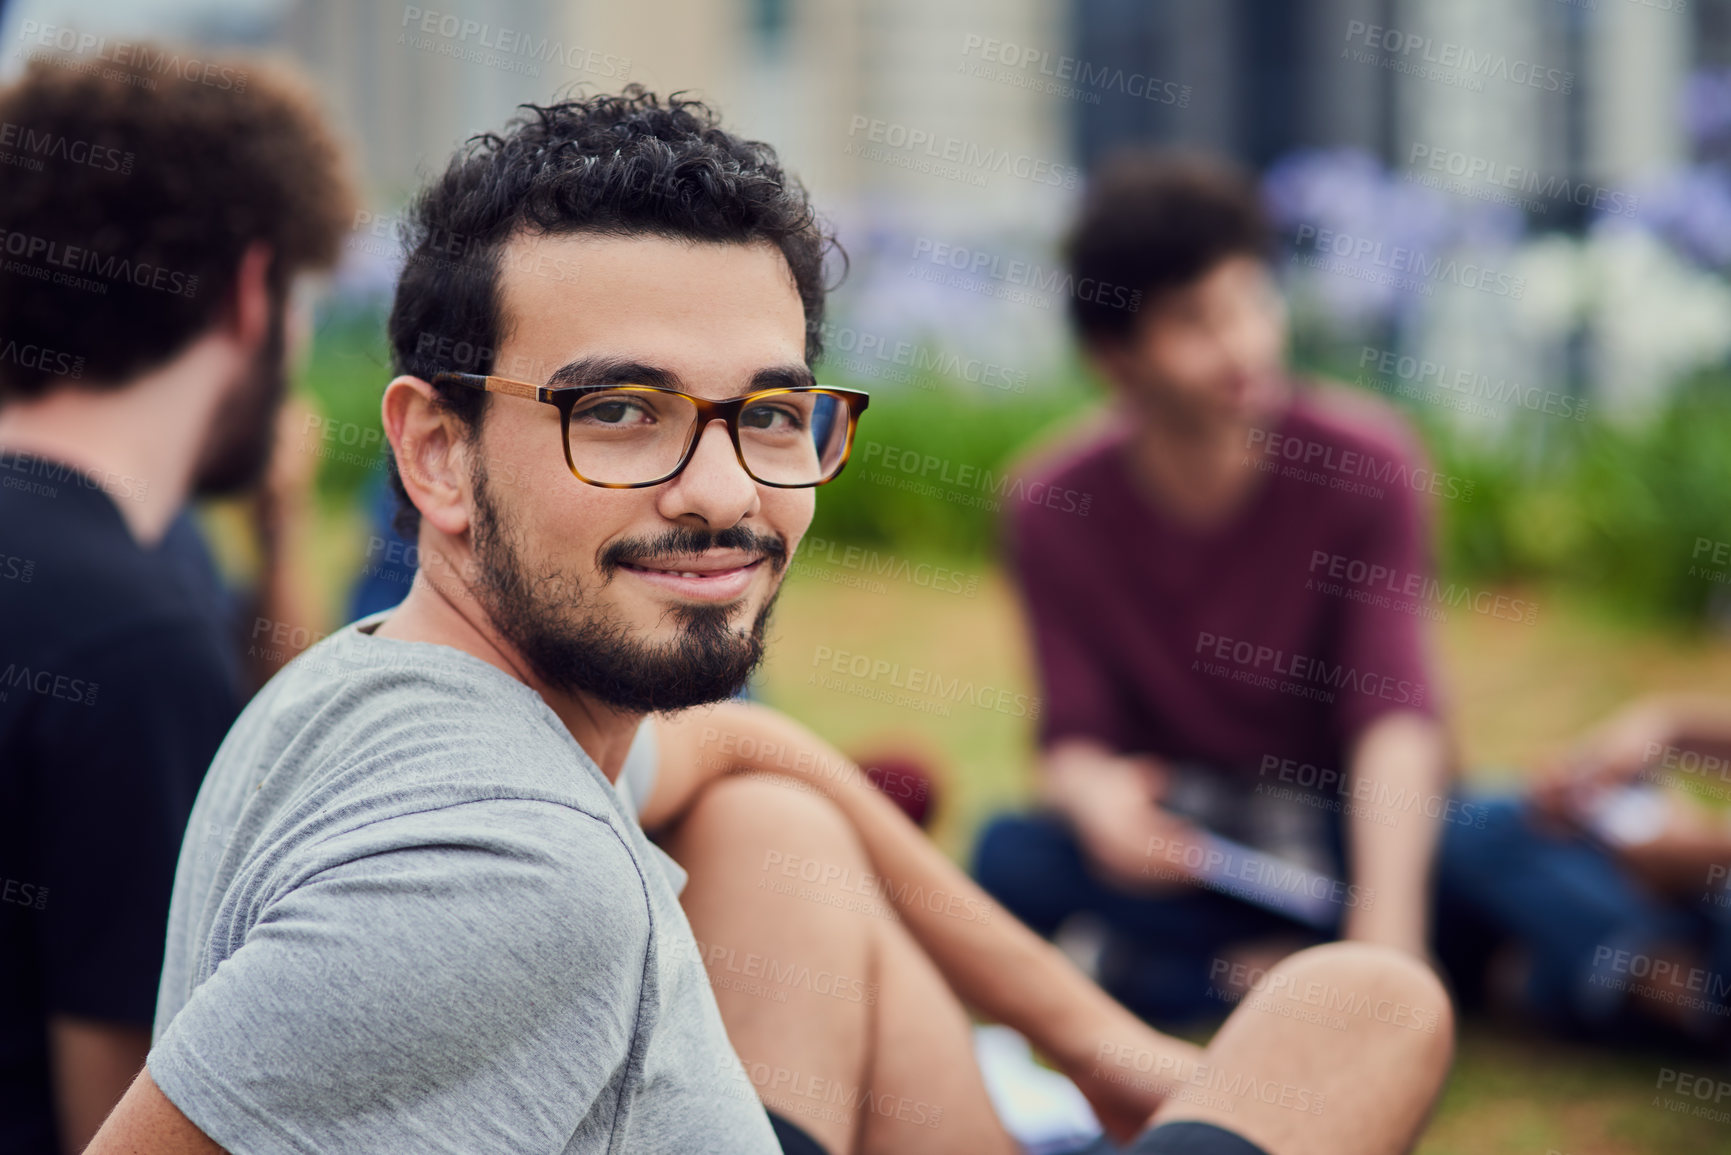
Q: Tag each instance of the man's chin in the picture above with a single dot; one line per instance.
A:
(665, 623)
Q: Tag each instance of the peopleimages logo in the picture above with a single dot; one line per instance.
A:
(48, 684)
(1025, 274)
(41, 359)
(869, 563)
(1064, 69)
(957, 151)
(1350, 470)
(1375, 798)
(1301, 675)
(914, 686)
(1457, 388)
(874, 355)
(144, 58)
(1386, 258)
(1446, 60)
(24, 894)
(83, 259)
(1408, 591)
(919, 466)
(32, 145)
(507, 49)
(1473, 169)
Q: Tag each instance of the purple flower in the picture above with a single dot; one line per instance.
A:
(1690, 209)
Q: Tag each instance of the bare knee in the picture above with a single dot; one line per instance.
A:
(793, 830)
(1367, 984)
(749, 842)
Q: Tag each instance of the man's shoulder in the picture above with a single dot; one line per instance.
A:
(1078, 459)
(430, 682)
(374, 727)
(75, 580)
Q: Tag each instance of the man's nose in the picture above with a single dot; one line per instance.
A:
(713, 485)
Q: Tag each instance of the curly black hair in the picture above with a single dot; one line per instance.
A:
(1157, 221)
(133, 191)
(625, 165)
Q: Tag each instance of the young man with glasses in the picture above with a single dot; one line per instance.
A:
(416, 911)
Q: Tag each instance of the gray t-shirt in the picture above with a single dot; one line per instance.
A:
(412, 915)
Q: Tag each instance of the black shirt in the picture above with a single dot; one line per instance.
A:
(117, 685)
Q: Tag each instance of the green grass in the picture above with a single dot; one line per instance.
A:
(1512, 1094)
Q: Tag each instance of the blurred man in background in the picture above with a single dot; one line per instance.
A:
(1206, 669)
(1605, 891)
(151, 230)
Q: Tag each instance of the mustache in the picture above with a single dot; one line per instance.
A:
(684, 541)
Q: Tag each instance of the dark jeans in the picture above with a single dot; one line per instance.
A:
(1499, 881)
(1163, 951)
(1589, 927)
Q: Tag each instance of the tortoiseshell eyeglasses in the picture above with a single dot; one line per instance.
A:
(633, 436)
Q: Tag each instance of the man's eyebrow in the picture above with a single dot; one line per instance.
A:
(782, 377)
(605, 370)
(601, 369)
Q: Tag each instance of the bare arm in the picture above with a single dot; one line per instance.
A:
(1663, 739)
(283, 525)
(146, 1123)
(91, 1063)
(994, 964)
(1649, 734)
(1399, 756)
(1698, 722)
(1111, 802)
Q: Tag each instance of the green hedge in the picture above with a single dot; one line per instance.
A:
(345, 377)
(964, 439)
(1628, 516)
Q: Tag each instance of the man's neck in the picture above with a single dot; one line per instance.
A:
(444, 615)
(1202, 470)
(1199, 475)
(140, 441)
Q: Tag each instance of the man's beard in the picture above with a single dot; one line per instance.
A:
(569, 643)
(237, 448)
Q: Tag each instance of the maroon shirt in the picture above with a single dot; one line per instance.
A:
(1281, 633)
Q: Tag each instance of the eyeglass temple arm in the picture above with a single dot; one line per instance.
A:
(512, 388)
(488, 383)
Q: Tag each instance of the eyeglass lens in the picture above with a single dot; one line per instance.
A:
(630, 435)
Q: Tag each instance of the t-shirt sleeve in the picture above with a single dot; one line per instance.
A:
(464, 979)
(1385, 644)
(1078, 695)
(122, 738)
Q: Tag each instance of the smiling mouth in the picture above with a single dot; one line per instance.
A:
(700, 574)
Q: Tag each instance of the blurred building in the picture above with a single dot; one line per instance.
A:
(973, 81)
(1271, 76)
(813, 78)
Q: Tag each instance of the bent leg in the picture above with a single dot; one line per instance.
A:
(1567, 901)
(841, 1021)
(1342, 1050)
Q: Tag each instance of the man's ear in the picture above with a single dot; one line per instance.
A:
(431, 451)
(250, 314)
